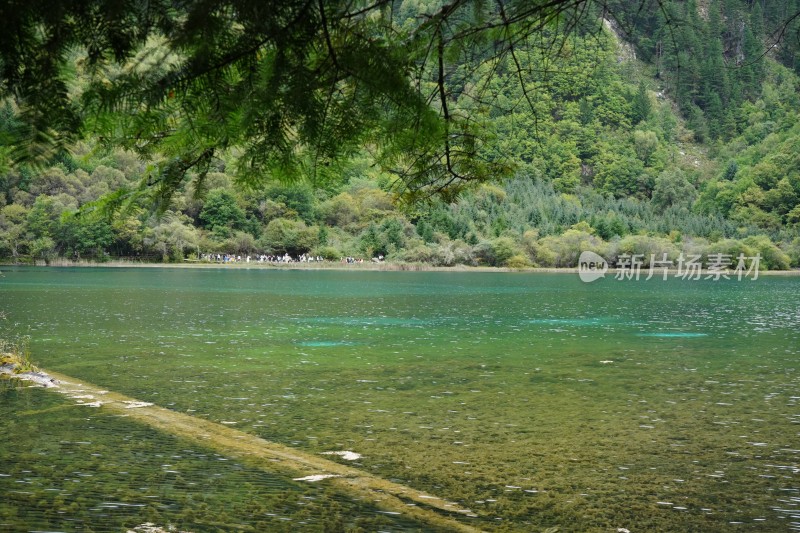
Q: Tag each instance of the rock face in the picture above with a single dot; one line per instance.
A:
(39, 378)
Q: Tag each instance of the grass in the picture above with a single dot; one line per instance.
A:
(16, 352)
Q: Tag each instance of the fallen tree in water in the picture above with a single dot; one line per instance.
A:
(390, 496)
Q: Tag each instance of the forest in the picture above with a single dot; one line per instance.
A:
(673, 127)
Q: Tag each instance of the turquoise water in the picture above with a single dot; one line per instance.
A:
(535, 400)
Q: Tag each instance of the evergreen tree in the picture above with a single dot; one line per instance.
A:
(641, 105)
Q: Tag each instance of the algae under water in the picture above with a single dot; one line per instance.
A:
(534, 400)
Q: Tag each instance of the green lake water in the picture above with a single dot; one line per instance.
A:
(534, 400)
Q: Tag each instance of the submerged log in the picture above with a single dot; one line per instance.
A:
(11, 370)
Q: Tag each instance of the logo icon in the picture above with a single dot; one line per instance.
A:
(591, 266)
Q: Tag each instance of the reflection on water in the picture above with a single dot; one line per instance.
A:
(534, 400)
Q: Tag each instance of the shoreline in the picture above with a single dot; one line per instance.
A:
(337, 266)
(329, 265)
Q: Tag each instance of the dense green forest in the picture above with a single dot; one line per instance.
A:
(674, 127)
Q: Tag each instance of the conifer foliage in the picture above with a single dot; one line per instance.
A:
(292, 85)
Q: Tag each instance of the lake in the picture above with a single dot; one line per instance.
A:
(534, 400)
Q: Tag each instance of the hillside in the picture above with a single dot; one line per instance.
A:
(642, 137)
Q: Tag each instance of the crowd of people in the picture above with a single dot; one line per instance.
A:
(259, 258)
(277, 259)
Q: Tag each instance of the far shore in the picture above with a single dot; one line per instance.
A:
(325, 265)
(339, 266)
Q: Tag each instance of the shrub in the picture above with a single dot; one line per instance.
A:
(340, 211)
(283, 235)
(646, 246)
(563, 250)
(518, 261)
(772, 257)
(328, 253)
(732, 247)
(504, 250)
(241, 243)
(221, 211)
(793, 251)
(496, 252)
(456, 253)
(673, 188)
(418, 254)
